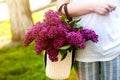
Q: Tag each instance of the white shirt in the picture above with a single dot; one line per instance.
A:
(108, 29)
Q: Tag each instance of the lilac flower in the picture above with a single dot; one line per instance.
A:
(59, 42)
(28, 38)
(42, 35)
(52, 18)
(76, 39)
(52, 53)
(32, 33)
(66, 27)
(89, 35)
(40, 45)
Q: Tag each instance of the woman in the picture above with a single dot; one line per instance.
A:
(103, 16)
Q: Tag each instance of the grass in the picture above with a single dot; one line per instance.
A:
(20, 63)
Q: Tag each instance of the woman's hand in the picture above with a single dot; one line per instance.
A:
(103, 8)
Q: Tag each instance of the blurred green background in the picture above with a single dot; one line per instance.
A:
(18, 62)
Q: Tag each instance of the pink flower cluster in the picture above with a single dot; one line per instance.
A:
(53, 33)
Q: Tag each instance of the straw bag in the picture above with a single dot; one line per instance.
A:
(60, 69)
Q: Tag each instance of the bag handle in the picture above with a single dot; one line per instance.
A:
(66, 13)
(60, 8)
(65, 10)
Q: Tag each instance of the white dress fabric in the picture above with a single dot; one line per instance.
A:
(108, 29)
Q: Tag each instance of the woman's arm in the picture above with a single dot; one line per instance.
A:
(86, 8)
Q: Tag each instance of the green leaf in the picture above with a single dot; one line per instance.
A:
(79, 28)
(64, 19)
(73, 23)
(65, 47)
(70, 49)
(76, 47)
(63, 54)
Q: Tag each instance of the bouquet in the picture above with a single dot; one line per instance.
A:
(57, 34)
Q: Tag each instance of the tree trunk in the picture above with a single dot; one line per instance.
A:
(20, 18)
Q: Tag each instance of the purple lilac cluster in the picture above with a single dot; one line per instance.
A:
(89, 34)
(52, 33)
(76, 39)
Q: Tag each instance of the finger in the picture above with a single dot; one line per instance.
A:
(113, 7)
(108, 9)
(104, 12)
